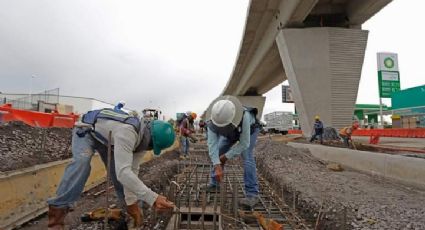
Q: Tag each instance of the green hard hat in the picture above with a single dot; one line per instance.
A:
(162, 135)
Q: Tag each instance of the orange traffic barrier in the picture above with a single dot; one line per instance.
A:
(37, 119)
(295, 131)
(410, 133)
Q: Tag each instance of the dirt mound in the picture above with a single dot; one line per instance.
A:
(347, 199)
(330, 134)
(23, 146)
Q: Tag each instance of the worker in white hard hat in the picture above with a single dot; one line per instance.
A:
(233, 131)
(318, 130)
(119, 106)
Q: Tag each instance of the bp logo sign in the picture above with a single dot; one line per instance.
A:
(389, 63)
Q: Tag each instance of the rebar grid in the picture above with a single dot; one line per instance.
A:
(197, 209)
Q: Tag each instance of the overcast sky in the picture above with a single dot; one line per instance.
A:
(176, 55)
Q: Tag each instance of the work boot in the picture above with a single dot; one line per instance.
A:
(210, 188)
(135, 214)
(249, 202)
(56, 218)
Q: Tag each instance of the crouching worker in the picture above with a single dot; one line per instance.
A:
(233, 131)
(346, 133)
(130, 138)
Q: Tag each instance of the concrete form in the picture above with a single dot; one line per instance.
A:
(23, 192)
(407, 170)
(323, 66)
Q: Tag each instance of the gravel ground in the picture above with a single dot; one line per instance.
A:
(21, 145)
(155, 174)
(349, 199)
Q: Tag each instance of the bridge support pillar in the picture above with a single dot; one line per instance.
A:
(323, 66)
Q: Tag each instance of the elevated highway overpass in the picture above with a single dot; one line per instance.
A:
(318, 45)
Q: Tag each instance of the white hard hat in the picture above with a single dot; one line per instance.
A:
(226, 110)
(121, 102)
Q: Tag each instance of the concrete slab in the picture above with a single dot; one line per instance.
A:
(407, 170)
(395, 141)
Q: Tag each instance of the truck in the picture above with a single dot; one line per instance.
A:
(278, 122)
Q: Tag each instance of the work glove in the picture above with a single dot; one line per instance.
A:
(218, 172)
(223, 159)
(163, 204)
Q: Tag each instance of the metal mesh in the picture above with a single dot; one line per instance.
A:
(30, 102)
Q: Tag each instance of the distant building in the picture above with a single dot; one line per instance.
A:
(47, 102)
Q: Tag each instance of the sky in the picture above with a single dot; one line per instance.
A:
(173, 55)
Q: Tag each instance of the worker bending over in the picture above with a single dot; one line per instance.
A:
(187, 129)
(233, 131)
(318, 130)
(130, 138)
(346, 133)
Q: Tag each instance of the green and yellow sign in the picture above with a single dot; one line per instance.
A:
(388, 74)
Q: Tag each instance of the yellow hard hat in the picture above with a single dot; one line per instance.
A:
(317, 117)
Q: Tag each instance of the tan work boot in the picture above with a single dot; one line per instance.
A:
(135, 214)
(56, 218)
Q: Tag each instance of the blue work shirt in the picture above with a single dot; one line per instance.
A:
(244, 140)
(318, 127)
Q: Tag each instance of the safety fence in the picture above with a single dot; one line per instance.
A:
(30, 102)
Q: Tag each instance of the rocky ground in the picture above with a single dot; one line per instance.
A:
(22, 146)
(339, 200)
(155, 174)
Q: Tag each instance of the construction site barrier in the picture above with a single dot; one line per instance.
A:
(409, 133)
(37, 119)
(295, 131)
(406, 133)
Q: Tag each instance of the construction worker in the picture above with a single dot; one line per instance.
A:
(202, 126)
(233, 131)
(346, 133)
(187, 130)
(318, 130)
(131, 136)
(119, 106)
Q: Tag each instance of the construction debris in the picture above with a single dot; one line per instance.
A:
(334, 167)
(23, 146)
(266, 223)
(330, 134)
(345, 200)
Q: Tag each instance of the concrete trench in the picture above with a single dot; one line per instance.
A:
(288, 197)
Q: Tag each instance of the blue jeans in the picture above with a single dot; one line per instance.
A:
(185, 145)
(249, 166)
(346, 140)
(314, 137)
(78, 171)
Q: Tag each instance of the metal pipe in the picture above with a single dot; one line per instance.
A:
(108, 177)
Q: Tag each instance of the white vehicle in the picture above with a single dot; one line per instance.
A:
(278, 122)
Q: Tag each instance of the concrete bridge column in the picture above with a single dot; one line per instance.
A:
(323, 67)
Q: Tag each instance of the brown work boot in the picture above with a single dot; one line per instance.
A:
(56, 218)
(135, 214)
